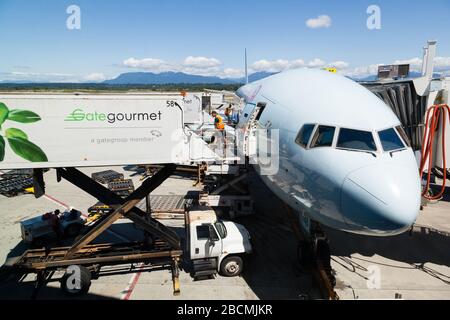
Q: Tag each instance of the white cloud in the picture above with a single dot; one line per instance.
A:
(316, 63)
(150, 64)
(201, 62)
(441, 65)
(442, 62)
(322, 21)
(283, 65)
(277, 65)
(192, 65)
(340, 65)
(233, 73)
(270, 65)
(37, 74)
(295, 64)
(363, 71)
(414, 62)
(38, 77)
(95, 77)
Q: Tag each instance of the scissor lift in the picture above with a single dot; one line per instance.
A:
(164, 251)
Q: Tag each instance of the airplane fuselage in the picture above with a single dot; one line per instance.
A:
(343, 160)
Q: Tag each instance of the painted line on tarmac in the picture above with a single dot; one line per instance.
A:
(60, 203)
(126, 294)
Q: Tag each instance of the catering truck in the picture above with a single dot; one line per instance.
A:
(91, 130)
(214, 245)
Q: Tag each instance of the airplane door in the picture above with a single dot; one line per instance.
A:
(248, 125)
(246, 115)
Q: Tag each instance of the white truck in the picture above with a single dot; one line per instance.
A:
(214, 245)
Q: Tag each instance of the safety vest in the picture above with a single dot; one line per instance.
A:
(218, 122)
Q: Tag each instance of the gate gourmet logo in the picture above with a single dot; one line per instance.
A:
(79, 115)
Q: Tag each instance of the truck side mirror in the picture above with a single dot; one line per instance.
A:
(213, 237)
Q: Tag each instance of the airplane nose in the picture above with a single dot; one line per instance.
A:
(381, 199)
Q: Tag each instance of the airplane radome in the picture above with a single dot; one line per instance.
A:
(345, 160)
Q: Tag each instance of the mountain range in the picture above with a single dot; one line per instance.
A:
(131, 78)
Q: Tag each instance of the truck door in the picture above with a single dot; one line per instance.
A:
(206, 243)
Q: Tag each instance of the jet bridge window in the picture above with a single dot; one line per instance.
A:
(323, 137)
(304, 135)
(356, 140)
(390, 140)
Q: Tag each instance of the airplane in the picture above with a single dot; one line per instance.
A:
(344, 159)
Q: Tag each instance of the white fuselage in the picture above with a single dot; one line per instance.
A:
(373, 192)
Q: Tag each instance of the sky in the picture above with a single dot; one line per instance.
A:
(209, 37)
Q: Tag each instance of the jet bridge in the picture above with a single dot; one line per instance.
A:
(410, 100)
(407, 104)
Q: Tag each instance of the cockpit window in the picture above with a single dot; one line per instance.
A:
(323, 137)
(356, 140)
(404, 136)
(390, 140)
(304, 135)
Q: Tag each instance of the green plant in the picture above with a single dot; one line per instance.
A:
(17, 139)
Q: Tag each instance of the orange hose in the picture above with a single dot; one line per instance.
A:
(433, 116)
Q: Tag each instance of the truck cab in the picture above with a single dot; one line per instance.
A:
(214, 245)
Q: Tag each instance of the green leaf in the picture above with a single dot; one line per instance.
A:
(23, 116)
(16, 133)
(2, 149)
(4, 111)
(27, 150)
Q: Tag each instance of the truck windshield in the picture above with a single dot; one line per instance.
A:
(221, 229)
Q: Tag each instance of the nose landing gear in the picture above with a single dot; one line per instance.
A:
(313, 252)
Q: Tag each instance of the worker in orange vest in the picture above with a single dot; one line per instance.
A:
(220, 127)
(218, 121)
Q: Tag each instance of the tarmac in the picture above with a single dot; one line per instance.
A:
(271, 272)
(414, 265)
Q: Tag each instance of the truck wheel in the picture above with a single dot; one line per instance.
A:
(232, 266)
(73, 230)
(69, 284)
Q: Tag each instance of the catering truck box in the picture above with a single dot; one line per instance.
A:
(88, 130)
